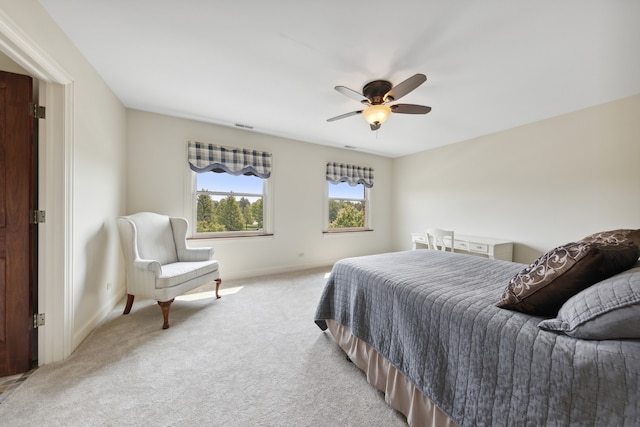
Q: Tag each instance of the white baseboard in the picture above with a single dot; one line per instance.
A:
(85, 330)
(248, 273)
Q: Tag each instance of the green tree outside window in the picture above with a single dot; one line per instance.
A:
(348, 216)
(229, 214)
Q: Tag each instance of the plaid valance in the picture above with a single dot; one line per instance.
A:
(354, 175)
(235, 161)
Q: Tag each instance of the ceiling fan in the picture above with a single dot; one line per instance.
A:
(377, 94)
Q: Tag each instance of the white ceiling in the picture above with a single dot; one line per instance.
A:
(490, 65)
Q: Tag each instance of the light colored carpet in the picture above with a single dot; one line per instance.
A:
(252, 358)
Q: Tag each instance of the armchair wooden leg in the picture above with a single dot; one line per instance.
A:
(218, 282)
(165, 306)
(127, 308)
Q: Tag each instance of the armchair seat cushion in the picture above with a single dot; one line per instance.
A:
(179, 272)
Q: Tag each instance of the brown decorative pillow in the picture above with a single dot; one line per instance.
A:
(621, 236)
(542, 287)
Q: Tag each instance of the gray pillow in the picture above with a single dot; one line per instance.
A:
(609, 309)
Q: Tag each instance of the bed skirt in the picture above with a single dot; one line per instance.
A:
(398, 391)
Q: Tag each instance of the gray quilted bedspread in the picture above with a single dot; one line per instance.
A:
(433, 316)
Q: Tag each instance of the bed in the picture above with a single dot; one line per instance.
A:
(425, 327)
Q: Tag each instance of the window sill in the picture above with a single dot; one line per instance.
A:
(346, 230)
(230, 236)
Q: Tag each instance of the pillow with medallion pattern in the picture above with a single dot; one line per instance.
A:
(545, 285)
(620, 236)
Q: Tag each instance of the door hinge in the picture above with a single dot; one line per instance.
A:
(37, 217)
(38, 320)
(37, 111)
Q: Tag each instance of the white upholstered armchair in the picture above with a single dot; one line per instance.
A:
(158, 263)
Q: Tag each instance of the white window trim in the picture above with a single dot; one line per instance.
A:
(191, 211)
(368, 218)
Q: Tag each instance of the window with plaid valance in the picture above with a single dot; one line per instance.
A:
(354, 175)
(205, 157)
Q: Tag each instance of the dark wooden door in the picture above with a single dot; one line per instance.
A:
(16, 233)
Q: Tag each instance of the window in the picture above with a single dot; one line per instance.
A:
(227, 203)
(230, 189)
(348, 190)
(347, 206)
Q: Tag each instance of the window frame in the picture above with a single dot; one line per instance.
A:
(368, 217)
(192, 204)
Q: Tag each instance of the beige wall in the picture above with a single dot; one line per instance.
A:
(157, 172)
(540, 185)
(7, 64)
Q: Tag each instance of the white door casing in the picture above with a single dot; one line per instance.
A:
(55, 188)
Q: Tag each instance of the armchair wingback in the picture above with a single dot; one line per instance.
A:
(158, 263)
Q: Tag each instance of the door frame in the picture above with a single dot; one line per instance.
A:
(55, 188)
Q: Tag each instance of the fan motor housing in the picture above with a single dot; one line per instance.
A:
(376, 90)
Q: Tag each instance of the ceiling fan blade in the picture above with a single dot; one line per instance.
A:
(375, 126)
(342, 116)
(350, 93)
(401, 89)
(409, 109)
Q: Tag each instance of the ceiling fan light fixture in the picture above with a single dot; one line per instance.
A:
(376, 94)
(376, 114)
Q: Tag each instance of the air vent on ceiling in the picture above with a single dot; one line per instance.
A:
(240, 125)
